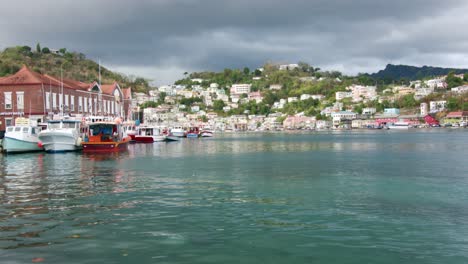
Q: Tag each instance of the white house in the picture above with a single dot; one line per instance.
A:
(240, 89)
(305, 97)
(369, 111)
(437, 106)
(460, 89)
(275, 86)
(341, 95)
(423, 109)
(292, 99)
(288, 66)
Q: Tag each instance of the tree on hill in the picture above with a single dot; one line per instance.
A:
(218, 105)
(38, 48)
(452, 80)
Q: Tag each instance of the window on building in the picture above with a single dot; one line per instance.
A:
(72, 102)
(8, 122)
(90, 105)
(54, 101)
(8, 101)
(20, 100)
(85, 105)
(47, 100)
(80, 104)
(60, 101)
(66, 105)
(95, 105)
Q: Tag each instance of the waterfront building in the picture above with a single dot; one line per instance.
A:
(40, 96)
(456, 117)
(299, 122)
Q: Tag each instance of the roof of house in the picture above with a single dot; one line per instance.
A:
(26, 76)
(458, 114)
(109, 88)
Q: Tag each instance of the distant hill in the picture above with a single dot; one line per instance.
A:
(74, 65)
(397, 72)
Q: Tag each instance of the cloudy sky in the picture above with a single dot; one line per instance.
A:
(162, 39)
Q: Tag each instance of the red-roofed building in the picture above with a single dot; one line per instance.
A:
(39, 97)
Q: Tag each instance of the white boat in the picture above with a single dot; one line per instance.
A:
(61, 135)
(206, 133)
(178, 132)
(399, 125)
(147, 134)
(21, 138)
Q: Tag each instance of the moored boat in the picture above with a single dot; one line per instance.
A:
(148, 135)
(178, 132)
(61, 136)
(23, 137)
(206, 133)
(399, 125)
(105, 137)
(193, 132)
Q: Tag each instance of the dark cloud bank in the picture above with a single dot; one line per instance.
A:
(162, 39)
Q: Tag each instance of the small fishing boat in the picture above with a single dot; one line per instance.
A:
(399, 125)
(23, 137)
(148, 135)
(178, 131)
(105, 137)
(61, 135)
(193, 132)
(206, 133)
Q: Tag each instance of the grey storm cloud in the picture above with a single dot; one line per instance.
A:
(168, 37)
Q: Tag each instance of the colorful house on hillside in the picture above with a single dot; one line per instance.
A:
(431, 121)
(41, 97)
(456, 117)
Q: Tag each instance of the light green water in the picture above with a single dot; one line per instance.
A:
(351, 197)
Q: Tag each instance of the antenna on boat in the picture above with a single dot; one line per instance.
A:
(61, 86)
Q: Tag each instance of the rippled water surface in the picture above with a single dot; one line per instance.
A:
(350, 197)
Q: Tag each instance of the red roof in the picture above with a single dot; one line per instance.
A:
(26, 76)
(457, 114)
(108, 88)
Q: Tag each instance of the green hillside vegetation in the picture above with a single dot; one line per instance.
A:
(74, 65)
(398, 72)
(293, 86)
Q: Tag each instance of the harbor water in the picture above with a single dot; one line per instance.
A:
(312, 197)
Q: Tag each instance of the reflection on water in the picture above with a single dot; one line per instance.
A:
(330, 197)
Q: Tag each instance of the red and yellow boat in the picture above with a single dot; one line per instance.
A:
(105, 137)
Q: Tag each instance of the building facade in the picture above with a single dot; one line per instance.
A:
(41, 97)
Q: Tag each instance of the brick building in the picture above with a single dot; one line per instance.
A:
(40, 97)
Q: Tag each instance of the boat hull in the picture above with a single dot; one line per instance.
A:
(92, 147)
(192, 135)
(13, 145)
(178, 134)
(58, 142)
(206, 134)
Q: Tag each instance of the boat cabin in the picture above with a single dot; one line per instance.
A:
(103, 132)
(23, 129)
(58, 124)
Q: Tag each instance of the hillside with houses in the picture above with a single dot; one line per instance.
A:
(271, 97)
(300, 96)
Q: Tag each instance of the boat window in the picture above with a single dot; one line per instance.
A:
(33, 130)
(10, 129)
(54, 125)
(17, 129)
(25, 129)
